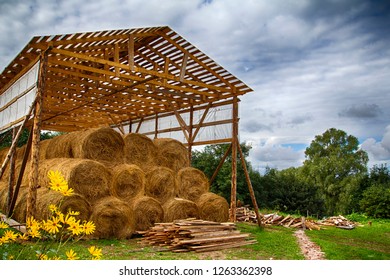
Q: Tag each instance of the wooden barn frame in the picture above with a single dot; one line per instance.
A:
(122, 78)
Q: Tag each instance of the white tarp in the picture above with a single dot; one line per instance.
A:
(16, 101)
(210, 130)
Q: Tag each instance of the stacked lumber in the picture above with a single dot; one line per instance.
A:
(338, 221)
(195, 235)
(290, 222)
(244, 214)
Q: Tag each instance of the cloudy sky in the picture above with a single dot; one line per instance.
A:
(313, 64)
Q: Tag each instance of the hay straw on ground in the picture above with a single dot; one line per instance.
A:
(171, 153)
(179, 208)
(102, 144)
(213, 207)
(128, 181)
(191, 183)
(113, 218)
(147, 211)
(160, 183)
(87, 177)
(139, 149)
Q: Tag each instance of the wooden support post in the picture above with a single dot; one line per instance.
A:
(11, 179)
(116, 59)
(233, 194)
(250, 187)
(221, 163)
(21, 173)
(190, 137)
(130, 47)
(156, 127)
(32, 192)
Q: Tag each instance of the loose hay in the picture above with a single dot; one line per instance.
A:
(147, 211)
(139, 149)
(113, 218)
(87, 177)
(74, 202)
(191, 183)
(171, 153)
(160, 183)
(128, 181)
(179, 208)
(213, 207)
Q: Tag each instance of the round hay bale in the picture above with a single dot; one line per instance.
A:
(20, 209)
(140, 150)
(147, 211)
(3, 196)
(3, 153)
(43, 148)
(87, 177)
(179, 208)
(102, 144)
(213, 207)
(60, 147)
(128, 181)
(113, 218)
(191, 183)
(171, 153)
(160, 183)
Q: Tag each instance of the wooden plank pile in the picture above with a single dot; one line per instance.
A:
(195, 235)
(338, 221)
(290, 222)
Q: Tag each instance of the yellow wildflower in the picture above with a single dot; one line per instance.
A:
(95, 252)
(52, 225)
(75, 228)
(57, 181)
(69, 219)
(67, 191)
(73, 213)
(53, 208)
(88, 227)
(10, 235)
(32, 223)
(42, 256)
(3, 225)
(71, 255)
(34, 232)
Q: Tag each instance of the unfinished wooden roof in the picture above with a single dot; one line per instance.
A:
(115, 76)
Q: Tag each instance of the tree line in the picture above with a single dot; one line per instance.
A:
(333, 179)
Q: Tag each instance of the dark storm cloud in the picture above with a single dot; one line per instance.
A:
(364, 111)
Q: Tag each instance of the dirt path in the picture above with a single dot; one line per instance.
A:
(310, 250)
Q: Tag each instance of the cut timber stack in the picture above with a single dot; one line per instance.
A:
(338, 221)
(195, 235)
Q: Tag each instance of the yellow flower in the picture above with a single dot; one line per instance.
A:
(75, 228)
(52, 225)
(57, 181)
(34, 232)
(3, 225)
(88, 227)
(53, 208)
(71, 255)
(95, 252)
(69, 219)
(10, 235)
(42, 256)
(67, 191)
(3, 240)
(24, 236)
(73, 213)
(32, 223)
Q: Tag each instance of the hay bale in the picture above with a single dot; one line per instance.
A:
(191, 183)
(147, 211)
(87, 177)
(171, 153)
(160, 183)
(60, 147)
(179, 208)
(128, 181)
(20, 209)
(43, 148)
(140, 150)
(3, 196)
(101, 144)
(75, 202)
(113, 218)
(213, 207)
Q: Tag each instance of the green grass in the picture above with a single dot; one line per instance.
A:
(362, 243)
(272, 242)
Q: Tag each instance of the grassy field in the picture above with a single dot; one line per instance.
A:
(275, 242)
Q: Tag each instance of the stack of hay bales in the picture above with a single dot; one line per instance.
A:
(124, 184)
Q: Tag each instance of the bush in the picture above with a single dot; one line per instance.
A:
(376, 201)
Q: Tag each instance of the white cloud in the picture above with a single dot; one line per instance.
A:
(378, 151)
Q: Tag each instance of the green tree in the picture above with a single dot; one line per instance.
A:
(208, 159)
(334, 163)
